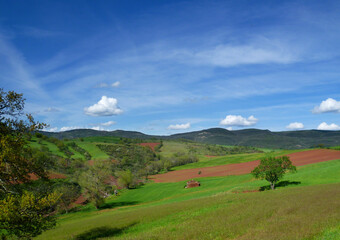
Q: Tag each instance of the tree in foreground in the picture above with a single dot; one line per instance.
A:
(17, 161)
(22, 213)
(272, 169)
(27, 215)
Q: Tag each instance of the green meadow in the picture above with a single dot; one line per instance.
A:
(306, 205)
(235, 158)
(37, 143)
(88, 143)
(92, 148)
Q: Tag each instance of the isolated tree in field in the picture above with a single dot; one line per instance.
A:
(272, 169)
(22, 213)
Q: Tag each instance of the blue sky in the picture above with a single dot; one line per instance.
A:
(164, 67)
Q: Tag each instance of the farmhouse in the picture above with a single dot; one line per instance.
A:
(192, 183)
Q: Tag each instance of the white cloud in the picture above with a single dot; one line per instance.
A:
(179, 126)
(102, 126)
(295, 126)
(63, 129)
(325, 126)
(102, 85)
(105, 107)
(115, 84)
(237, 120)
(51, 109)
(55, 129)
(107, 124)
(228, 55)
(229, 128)
(106, 85)
(329, 105)
(98, 128)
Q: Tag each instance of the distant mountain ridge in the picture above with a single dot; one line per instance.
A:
(244, 137)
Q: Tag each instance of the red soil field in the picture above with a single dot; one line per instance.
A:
(150, 145)
(90, 162)
(51, 175)
(80, 200)
(298, 159)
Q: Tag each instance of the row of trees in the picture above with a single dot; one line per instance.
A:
(219, 150)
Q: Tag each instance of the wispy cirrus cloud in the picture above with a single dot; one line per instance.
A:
(15, 70)
(245, 59)
(107, 124)
(107, 85)
(51, 109)
(233, 55)
(38, 32)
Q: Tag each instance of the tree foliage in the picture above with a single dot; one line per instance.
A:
(272, 169)
(22, 213)
(95, 182)
(126, 179)
(68, 194)
(16, 158)
(27, 215)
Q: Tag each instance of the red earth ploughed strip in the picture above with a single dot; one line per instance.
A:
(298, 159)
(150, 145)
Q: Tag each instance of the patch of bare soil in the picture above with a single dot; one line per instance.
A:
(298, 159)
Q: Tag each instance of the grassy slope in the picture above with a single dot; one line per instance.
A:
(91, 147)
(89, 144)
(235, 158)
(52, 147)
(171, 147)
(167, 210)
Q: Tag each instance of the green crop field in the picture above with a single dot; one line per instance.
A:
(88, 144)
(91, 147)
(235, 158)
(306, 206)
(51, 147)
(170, 147)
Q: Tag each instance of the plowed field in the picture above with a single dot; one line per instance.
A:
(150, 145)
(298, 159)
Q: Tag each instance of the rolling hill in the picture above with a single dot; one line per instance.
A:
(246, 137)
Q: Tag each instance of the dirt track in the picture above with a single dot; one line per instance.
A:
(298, 159)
